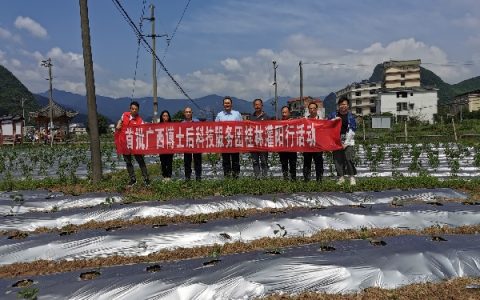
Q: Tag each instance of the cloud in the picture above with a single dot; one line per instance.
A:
(68, 60)
(68, 73)
(325, 69)
(231, 64)
(5, 34)
(16, 63)
(31, 26)
(474, 41)
(468, 21)
(123, 87)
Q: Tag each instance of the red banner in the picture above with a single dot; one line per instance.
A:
(298, 135)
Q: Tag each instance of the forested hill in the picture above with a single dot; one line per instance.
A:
(12, 91)
(446, 91)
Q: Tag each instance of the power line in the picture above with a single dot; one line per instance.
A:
(169, 41)
(149, 49)
(140, 26)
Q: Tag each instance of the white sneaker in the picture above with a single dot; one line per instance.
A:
(353, 181)
(341, 180)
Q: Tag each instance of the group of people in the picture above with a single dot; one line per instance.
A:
(166, 160)
(343, 158)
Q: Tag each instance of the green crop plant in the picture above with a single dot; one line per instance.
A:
(476, 156)
(415, 153)
(30, 293)
(433, 160)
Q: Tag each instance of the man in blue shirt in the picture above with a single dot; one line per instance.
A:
(187, 157)
(230, 161)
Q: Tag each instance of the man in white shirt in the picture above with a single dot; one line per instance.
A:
(230, 161)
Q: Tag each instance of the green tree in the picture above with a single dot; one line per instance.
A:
(178, 116)
(103, 123)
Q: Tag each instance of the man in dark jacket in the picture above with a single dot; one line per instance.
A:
(344, 158)
(260, 159)
(288, 159)
(187, 157)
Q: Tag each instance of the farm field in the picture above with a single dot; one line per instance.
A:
(382, 160)
(411, 223)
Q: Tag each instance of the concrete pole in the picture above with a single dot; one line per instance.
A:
(91, 100)
(48, 63)
(301, 89)
(406, 132)
(154, 66)
(276, 88)
(454, 129)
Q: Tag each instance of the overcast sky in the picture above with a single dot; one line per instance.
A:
(226, 47)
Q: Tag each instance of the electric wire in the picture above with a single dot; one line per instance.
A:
(149, 49)
(140, 27)
(169, 40)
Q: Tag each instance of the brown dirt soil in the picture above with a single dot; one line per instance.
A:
(323, 237)
(198, 218)
(156, 221)
(446, 290)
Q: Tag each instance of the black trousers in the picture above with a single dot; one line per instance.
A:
(166, 162)
(289, 164)
(307, 165)
(260, 160)
(197, 165)
(141, 163)
(231, 164)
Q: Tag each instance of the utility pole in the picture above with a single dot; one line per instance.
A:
(91, 100)
(48, 63)
(23, 110)
(301, 89)
(461, 113)
(275, 66)
(155, 118)
(406, 131)
(454, 129)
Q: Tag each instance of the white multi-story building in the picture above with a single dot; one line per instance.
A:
(400, 93)
(406, 103)
(469, 102)
(405, 73)
(362, 96)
